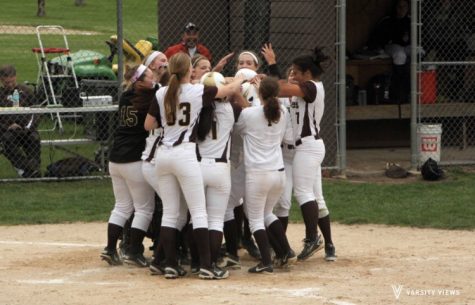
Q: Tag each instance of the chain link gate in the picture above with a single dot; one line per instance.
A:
(447, 80)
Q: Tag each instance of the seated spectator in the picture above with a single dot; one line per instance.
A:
(189, 44)
(19, 137)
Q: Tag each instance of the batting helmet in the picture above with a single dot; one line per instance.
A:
(431, 171)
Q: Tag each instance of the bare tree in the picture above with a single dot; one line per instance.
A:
(41, 8)
(80, 2)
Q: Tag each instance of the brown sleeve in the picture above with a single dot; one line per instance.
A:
(154, 111)
(209, 94)
(310, 91)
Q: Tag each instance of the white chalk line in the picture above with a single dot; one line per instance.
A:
(69, 280)
(49, 244)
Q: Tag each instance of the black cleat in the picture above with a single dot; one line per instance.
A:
(330, 253)
(137, 260)
(251, 248)
(310, 247)
(174, 272)
(260, 268)
(230, 261)
(213, 273)
(156, 269)
(111, 257)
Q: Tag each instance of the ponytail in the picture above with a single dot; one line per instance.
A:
(269, 90)
(179, 65)
(312, 62)
(171, 99)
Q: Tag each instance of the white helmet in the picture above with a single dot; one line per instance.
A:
(249, 92)
(213, 79)
(247, 73)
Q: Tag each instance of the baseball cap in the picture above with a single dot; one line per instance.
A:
(191, 27)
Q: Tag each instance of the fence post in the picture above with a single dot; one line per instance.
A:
(120, 53)
(342, 86)
(414, 58)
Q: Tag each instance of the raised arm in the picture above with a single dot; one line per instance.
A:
(230, 88)
(288, 90)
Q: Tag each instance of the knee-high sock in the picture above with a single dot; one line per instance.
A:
(324, 225)
(263, 244)
(239, 217)
(230, 235)
(136, 241)
(168, 240)
(113, 233)
(279, 234)
(215, 240)
(201, 236)
(279, 252)
(195, 256)
(285, 222)
(310, 218)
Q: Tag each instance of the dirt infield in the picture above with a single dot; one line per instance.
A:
(59, 264)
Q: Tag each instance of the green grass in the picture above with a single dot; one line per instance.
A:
(139, 22)
(447, 204)
(55, 202)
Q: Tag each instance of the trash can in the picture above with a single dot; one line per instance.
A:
(429, 139)
(428, 86)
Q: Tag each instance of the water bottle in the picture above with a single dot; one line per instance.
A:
(16, 98)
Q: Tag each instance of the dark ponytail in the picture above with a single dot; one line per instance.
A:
(312, 62)
(269, 90)
(205, 122)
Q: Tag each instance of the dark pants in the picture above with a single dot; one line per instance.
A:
(23, 149)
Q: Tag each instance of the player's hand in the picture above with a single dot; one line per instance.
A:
(222, 62)
(268, 54)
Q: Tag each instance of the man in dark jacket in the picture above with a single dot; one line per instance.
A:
(19, 138)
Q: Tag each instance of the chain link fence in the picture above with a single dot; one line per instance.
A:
(293, 27)
(68, 83)
(447, 80)
(59, 89)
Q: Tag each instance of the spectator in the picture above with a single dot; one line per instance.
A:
(18, 132)
(393, 36)
(189, 44)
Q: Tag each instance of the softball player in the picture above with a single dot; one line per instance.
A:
(158, 63)
(201, 65)
(263, 128)
(235, 219)
(214, 133)
(131, 191)
(307, 106)
(176, 163)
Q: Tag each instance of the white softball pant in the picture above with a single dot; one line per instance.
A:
(284, 204)
(317, 190)
(131, 192)
(398, 53)
(150, 174)
(263, 189)
(177, 167)
(307, 168)
(217, 184)
(238, 180)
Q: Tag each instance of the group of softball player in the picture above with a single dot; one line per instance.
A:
(211, 147)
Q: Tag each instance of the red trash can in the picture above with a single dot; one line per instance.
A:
(428, 86)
